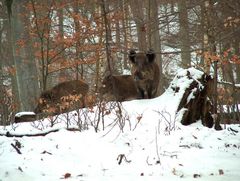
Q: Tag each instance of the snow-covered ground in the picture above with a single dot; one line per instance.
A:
(148, 144)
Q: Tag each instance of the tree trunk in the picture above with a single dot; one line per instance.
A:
(203, 27)
(9, 61)
(2, 91)
(237, 52)
(78, 43)
(26, 71)
(138, 17)
(98, 58)
(184, 34)
(62, 73)
(124, 9)
(155, 40)
(108, 36)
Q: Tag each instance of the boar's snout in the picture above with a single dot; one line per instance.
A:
(145, 72)
(137, 75)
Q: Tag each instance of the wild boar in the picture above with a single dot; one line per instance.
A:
(145, 72)
(61, 97)
(118, 88)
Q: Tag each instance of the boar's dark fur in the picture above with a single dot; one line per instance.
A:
(52, 98)
(145, 72)
(118, 88)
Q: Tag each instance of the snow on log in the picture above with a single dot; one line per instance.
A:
(24, 117)
(195, 104)
(42, 133)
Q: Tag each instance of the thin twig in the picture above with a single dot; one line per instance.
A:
(157, 148)
(16, 148)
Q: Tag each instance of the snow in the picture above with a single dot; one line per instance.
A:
(231, 108)
(20, 114)
(126, 72)
(151, 145)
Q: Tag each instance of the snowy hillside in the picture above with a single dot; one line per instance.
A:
(147, 144)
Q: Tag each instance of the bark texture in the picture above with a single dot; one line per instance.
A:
(196, 104)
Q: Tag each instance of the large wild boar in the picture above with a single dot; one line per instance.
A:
(145, 72)
(62, 97)
(118, 88)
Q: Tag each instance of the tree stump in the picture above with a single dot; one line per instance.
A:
(196, 103)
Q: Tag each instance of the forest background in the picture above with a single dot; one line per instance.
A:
(43, 43)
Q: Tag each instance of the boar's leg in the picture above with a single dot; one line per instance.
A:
(151, 92)
(141, 93)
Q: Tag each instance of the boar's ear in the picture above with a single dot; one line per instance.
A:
(132, 55)
(150, 55)
(107, 75)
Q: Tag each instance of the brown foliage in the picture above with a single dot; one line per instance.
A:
(145, 72)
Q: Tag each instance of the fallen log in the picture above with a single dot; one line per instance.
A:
(44, 133)
(21, 117)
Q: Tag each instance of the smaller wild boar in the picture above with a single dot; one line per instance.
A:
(59, 98)
(118, 88)
(145, 72)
